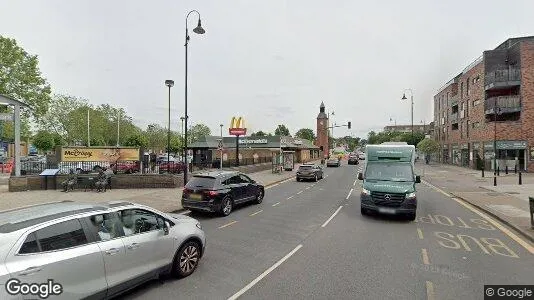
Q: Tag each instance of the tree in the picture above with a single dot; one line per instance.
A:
(258, 134)
(428, 146)
(156, 136)
(20, 78)
(44, 141)
(282, 130)
(305, 133)
(198, 131)
(136, 140)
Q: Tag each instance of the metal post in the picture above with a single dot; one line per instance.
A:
(222, 144)
(411, 92)
(237, 150)
(118, 127)
(520, 178)
(494, 180)
(495, 137)
(186, 117)
(531, 204)
(169, 133)
(498, 171)
(482, 172)
(88, 136)
(506, 169)
(17, 140)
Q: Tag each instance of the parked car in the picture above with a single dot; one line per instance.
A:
(361, 156)
(220, 191)
(313, 172)
(95, 250)
(172, 167)
(353, 159)
(127, 167)
(333, 162)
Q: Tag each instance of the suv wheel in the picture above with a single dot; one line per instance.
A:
(363, 211)
(186, 259)
(226, 206)
(259, 197)
(411, 216)
(315, 178)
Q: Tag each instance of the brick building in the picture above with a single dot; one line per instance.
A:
(425, 128)
(322, 140)
(491, 102)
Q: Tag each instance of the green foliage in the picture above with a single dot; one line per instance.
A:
(351, 142)
(21, 79)
(259, 134)
(198, 131)
(395, 136)
(305, 133)
(428, 146)
(44, 141)
(136, 140)
(282, 130)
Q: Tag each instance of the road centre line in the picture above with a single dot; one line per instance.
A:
(426, 261)
(262, 275)
(350, 192)
(420, 233)
(503, 229)
(289, 198)
(253, 214)
(271, 186)
(355, 181)
(300, 192)
(308, 188)
(226, 225)
(430, 295)
(332, 216)
(436, 188)
(276, 203)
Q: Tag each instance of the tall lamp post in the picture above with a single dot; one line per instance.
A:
(496, 111)
(182, 135)
(169, 83)
(332, 126)
(197, 30)
(411, 97)
(221, 145)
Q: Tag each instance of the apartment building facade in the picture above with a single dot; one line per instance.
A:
(487, 110)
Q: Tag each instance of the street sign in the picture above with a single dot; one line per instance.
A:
(6, 117)
(220, 146)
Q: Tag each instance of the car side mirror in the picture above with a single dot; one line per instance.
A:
(417, 179)
(360, 176)
(166, 228)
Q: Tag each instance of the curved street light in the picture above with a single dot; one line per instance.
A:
(411, 97)
(197, 30)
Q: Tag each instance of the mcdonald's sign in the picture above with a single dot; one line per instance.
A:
(237, 126)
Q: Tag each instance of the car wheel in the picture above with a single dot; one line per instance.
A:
(298, 179)
(315, 178)
(259, 197)
(411, 216)
(363, 211)
(226, 206)
(186, 259)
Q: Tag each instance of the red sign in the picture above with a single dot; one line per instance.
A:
(238, 131)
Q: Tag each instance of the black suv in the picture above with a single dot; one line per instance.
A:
(353, 159)
(220, 191)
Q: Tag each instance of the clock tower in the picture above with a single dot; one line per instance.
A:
(322, 131)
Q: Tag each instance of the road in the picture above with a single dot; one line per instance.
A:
(309, 241)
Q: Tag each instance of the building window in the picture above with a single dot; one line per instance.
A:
(476, 124)
(476, 79)
(476, 102)
(467, 86)
(462, 90)
(467, 128)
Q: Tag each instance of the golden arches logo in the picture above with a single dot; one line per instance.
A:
(237, 122)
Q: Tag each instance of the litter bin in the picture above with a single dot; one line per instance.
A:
(49, 179)
(531, 202)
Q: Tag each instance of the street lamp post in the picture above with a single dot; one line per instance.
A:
(169, 83)
(411, 97)
(328, 126)
(182, 135)
(496, 111)
(197, 30)
(221, 145)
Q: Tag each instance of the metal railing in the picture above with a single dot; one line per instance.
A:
(503, 103)
(512, 74)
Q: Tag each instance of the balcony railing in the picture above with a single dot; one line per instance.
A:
(454, 118)
(503, 78)
(505, 104)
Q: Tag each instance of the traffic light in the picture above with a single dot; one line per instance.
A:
(348, 125)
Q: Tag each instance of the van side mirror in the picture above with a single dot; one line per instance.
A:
(166, 228)
(417, 179)
(360, 176)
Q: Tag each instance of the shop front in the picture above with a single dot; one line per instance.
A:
(445, 154)
(510, 154)
(456, 155)
(476, 156)
(464, 155)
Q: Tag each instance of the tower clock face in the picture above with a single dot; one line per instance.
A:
(321, 123)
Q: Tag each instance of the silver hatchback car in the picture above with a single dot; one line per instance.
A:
(72, 250)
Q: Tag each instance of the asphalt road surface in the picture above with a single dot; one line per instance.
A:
(308, 240)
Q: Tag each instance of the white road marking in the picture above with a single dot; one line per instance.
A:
(262, 275)
(253, 214)
(350, 192)
(436, 188)
(332, 216)
(426, 261)
(276, 203)
(300, 192)
(289, 198)
(430, 290)
(420, 233)
(308, 188)
(271, 186)
(226, 225)
(355, 181)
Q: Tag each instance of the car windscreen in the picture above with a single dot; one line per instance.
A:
(204, 182)
(389, 171)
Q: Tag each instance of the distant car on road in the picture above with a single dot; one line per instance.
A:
(361, 156)
(94, 251)
(220, 192)
(313, 172)
(333, 162)
(353, 159)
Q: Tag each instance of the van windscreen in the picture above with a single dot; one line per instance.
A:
(389, 171)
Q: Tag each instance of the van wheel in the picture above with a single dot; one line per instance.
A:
(411, 216)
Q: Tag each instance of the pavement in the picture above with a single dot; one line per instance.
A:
(507, 202)
(166, 200)
(308, 240)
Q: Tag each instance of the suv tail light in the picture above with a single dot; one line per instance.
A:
(211, 193)
(186, 191)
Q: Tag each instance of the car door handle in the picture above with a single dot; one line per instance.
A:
(112, 251)
(133, 246)
(30, 271)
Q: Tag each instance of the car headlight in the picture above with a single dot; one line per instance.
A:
(199, 226)
(366, 192)
(410, 195)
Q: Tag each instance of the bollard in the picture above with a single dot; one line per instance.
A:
(520, 179)
(482, 172)
(494, 180)
(506, 170)
(498, 171)
(531, 201)
(515, 169)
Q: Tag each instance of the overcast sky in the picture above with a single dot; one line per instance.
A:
(272, 62)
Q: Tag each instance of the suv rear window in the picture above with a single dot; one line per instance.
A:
(305, 167)
(201, 182)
